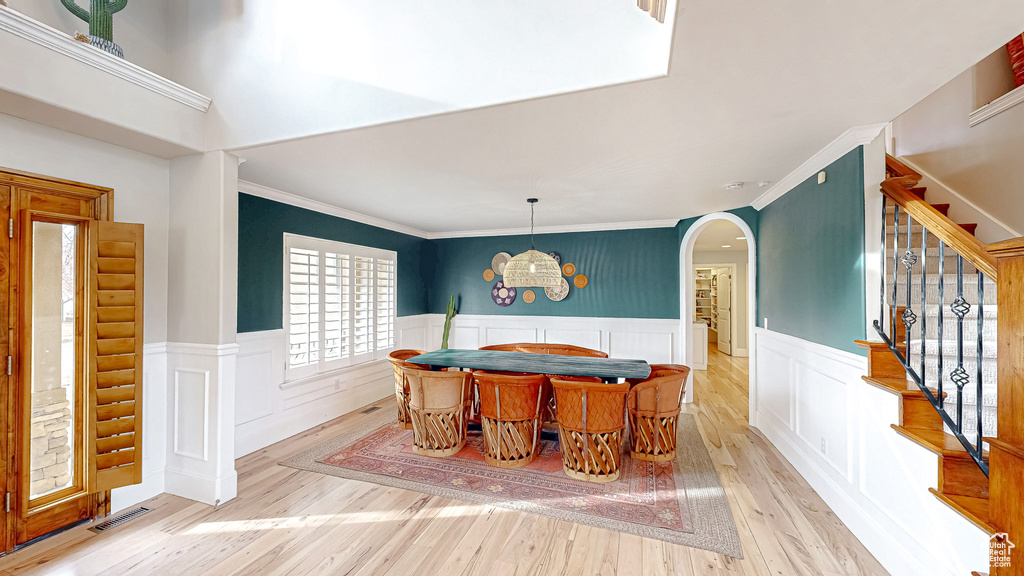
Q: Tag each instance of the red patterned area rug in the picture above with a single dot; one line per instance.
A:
(682, 502)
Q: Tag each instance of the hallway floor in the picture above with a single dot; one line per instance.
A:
(287, 521)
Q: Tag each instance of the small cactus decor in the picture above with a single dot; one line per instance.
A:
(100, 17)
(448, 315)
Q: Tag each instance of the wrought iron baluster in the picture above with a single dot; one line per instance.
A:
(909, 259)
(981, 329)
(895, 268)
(942, 311)
(924, 294)
(881, 269)
(959, 376)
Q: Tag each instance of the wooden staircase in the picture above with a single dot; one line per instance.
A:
(994, 503)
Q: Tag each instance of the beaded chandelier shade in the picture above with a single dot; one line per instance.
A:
(656, 8)
(532, 268)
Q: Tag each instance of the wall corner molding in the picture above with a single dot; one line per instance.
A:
(856, 136)
(24, 27)
(997, 106)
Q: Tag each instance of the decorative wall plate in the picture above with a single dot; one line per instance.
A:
(501, 295)
(529, 296)
(556, 256)
(568, 269)
(499, 261)
(580, 281)
(558, 294)
(488, 275)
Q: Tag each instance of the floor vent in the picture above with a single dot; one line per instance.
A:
(119, 519)
(370, 409)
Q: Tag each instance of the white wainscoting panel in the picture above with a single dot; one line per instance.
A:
(585, 338)
(836, 431)
(501, 334)
(283, 409)
(192, 413)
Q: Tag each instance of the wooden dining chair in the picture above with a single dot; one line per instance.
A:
(550, 414)
(545, 348)
(591, 418)
(439, 410)
(398, 361)
(510, 409)
(653, 405)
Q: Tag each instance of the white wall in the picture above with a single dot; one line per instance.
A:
(982, 163)
(739, 258)
(328, 65)
(140, 186)
(142, 29)
(811, 404)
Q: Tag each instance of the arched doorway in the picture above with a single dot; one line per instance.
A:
(687, 294)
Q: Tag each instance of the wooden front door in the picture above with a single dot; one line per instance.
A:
(67, 392)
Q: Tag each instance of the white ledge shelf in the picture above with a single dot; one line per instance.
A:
(997, 106)
(24, 27)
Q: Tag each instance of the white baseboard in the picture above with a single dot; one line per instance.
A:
(205, 489)
(153, 484)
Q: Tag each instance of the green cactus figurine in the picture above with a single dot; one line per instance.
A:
(100, 16)
(448, 315)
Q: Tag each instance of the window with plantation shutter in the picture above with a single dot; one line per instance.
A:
(340, 304)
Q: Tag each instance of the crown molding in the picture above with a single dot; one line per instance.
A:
(856, 136)
(601, 227)
(276, 195)
(997, 106)
(24, 27)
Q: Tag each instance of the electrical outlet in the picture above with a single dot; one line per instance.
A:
(765, 322)
(337, 384)
(824, 446)
(821, 177)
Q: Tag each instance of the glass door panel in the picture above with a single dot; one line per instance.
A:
(55, 368)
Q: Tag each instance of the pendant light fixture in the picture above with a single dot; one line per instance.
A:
(532, 268)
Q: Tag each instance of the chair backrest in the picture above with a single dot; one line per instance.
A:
(429, 390)
(660, 394)
(400, 357)
(544, 348)
(509, 395)
(604, 405)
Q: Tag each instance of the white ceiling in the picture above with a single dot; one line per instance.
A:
(717, 234)
(754, 89)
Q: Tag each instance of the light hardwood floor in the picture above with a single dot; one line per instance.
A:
(287, 521)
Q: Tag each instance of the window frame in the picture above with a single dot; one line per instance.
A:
(352, 251)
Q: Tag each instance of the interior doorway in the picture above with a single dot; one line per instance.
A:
(717, 312)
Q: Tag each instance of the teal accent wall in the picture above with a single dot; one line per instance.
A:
(261, 227)
(632, 273)
(746, 213)
(810, 258)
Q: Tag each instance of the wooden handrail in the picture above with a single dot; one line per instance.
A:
(966, 245)
(894, 166)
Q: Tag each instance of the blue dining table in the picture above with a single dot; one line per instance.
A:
(500, 361)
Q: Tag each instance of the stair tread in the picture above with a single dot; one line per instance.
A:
(974, 509)
(899, 386)
(937, 441)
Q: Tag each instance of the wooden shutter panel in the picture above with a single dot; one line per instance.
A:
(114, 449)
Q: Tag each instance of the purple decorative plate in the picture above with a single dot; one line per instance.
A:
(501, 295)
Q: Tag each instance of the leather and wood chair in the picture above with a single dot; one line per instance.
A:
(544, 348)
(591, 418)
(398, 361)
(653, 405)
(510, 410)
(550, 415)
(439, 410)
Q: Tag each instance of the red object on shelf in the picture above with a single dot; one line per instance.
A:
(1016, 50)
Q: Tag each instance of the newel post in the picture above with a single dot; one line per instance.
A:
(1006, 464)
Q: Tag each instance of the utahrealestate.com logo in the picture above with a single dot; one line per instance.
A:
(999, 550)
